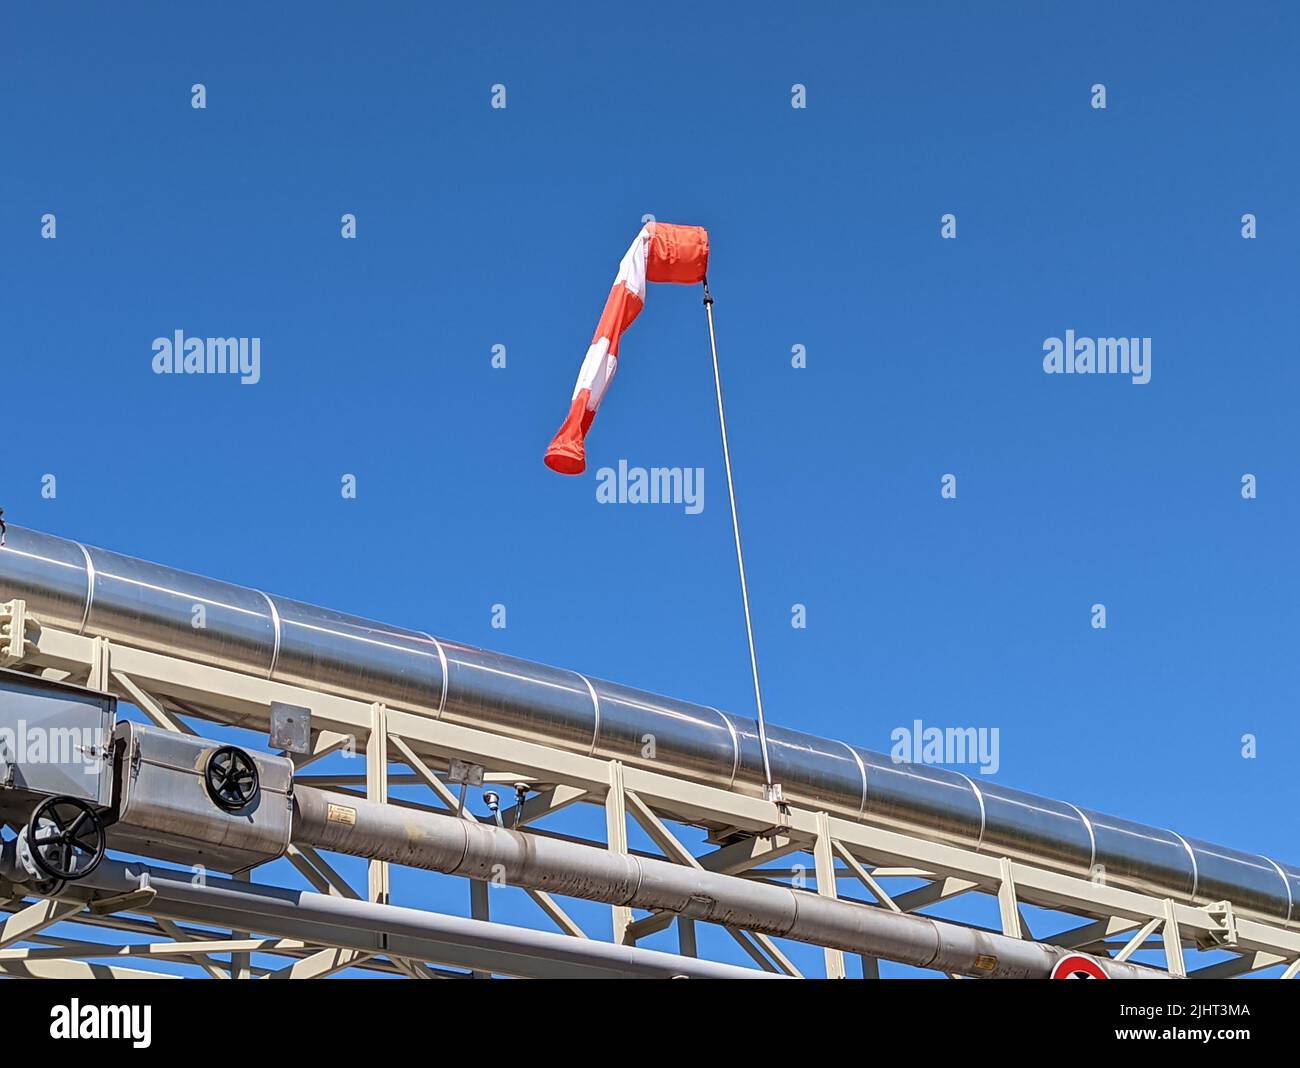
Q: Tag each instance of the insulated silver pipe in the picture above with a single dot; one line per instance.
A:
(95, 592)
(457, 846)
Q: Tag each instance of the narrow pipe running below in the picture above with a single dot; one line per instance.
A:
(368, 927)
(458, 846)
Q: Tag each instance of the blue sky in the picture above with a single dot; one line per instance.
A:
(479, 227)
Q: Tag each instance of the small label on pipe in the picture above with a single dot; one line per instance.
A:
(341, 814)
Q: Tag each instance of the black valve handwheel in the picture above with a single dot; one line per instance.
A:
(66, 838)
(231, 776)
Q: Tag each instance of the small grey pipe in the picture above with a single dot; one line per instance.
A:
(369, 927)
(459, 846)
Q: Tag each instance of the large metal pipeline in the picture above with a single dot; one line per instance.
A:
(96, 592)
(456, 846)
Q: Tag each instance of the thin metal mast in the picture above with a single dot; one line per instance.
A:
(772, 790)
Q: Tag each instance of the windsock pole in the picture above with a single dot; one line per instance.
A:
(772, 791)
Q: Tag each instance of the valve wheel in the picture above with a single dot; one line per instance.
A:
(231, 777)
(66, 838)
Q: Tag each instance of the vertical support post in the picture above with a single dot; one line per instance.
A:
(100, 666)
(1008, 905)
(824, 857)
(686, 943)
(1173, 942)
(616, 831)
(478, 900)
(479, 908)
(241, 962)
(377, 790)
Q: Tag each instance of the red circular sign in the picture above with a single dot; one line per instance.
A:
(1077, 967)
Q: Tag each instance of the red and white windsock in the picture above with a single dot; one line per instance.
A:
(661, 252)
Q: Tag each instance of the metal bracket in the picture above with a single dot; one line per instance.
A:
(467, 775)
(15, 625)
(1225, 937)
(773, 792)
(290, 727)
(106, 906)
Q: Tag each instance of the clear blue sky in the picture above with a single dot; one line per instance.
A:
(479, 227)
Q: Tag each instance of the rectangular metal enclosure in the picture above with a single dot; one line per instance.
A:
(54, 741)
(166, 811)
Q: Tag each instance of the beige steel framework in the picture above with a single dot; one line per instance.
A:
(123, 936)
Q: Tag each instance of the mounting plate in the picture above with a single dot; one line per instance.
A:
(290, 727)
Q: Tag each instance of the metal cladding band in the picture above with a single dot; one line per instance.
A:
(147, 606)
(457, 846)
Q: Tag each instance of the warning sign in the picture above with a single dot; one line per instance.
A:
(1077, 967)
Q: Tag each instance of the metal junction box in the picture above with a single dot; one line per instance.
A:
(55, 740)
(173, 805)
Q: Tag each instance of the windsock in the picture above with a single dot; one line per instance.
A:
(661, 252)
